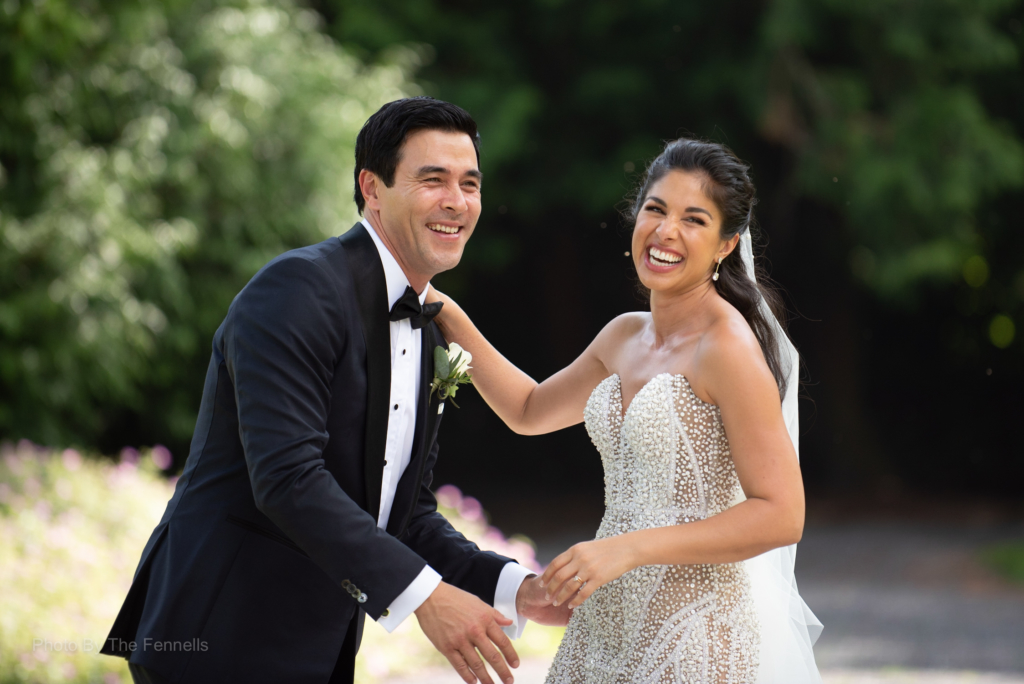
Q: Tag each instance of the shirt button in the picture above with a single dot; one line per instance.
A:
(396, 407)
(385, 461)
(403, 352)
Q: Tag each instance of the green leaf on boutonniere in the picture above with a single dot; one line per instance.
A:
(451, 369)
(441, 366)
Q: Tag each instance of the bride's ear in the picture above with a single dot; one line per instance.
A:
(729, 246)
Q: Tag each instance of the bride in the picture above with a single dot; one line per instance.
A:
(693, 410)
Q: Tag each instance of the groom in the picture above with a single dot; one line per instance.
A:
(305, 502)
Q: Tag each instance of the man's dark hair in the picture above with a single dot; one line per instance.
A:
(379, 144)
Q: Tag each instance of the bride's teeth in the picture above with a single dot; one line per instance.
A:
(664, 257)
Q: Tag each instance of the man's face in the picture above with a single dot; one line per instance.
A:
(427, 216)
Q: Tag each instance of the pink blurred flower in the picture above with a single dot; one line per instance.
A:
(111, 678)
(129, 455)
(449, 496)
(161, 456)
(72, 459)
(470, 509)
(13, 462)
(43, 509)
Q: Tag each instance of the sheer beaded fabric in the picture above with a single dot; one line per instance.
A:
(666, 462)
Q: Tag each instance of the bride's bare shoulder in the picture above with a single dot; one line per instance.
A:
(731, 358)
(625, 326)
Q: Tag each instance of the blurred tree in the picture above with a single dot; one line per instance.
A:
(883, 136)
(153, 156)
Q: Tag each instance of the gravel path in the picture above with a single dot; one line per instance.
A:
(911, 596)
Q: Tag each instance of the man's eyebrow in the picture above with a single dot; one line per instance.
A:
(427, 170)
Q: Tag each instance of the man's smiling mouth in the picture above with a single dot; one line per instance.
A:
(440, 228)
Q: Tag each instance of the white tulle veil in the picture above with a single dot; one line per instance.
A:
(788, 627)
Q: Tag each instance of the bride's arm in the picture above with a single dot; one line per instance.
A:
(739, 382)
(525, 406)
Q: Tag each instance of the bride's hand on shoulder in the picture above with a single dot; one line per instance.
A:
(594, 563)
(435, 295)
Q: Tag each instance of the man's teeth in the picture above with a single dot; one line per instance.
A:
(664, 257)
(443, 229)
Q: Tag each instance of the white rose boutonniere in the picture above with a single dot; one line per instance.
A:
(451, 369)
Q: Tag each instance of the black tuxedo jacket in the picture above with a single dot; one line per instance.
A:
(269, 546)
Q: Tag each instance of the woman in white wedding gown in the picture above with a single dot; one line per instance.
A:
(693, 410)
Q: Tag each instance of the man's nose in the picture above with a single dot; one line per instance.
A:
(455, 199)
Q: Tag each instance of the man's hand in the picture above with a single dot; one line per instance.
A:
(459, 624)
(531, 604)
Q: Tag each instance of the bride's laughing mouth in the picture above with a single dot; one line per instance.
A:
(661, 260)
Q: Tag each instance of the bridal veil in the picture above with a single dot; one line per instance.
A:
(788, 627)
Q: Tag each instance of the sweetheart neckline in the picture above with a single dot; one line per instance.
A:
(623, 412)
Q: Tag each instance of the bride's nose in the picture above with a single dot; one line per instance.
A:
(667, 229)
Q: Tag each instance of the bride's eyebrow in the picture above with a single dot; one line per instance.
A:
(658, 200)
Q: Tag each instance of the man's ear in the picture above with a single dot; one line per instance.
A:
(727, 248)
(368, 185)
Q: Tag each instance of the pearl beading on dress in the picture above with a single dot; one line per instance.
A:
(666, 462)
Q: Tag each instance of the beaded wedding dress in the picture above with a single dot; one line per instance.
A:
(667, 462)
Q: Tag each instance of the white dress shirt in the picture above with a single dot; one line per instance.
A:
(405, 378)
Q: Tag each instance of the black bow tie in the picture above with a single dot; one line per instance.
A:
(408, 306)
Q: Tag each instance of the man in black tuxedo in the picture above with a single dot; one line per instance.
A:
(305, 501)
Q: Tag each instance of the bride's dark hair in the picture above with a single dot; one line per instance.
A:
(727, 183)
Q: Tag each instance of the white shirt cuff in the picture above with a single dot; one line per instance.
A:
(412, 598)
(509, 581)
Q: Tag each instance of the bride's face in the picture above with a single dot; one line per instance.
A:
(677, 239)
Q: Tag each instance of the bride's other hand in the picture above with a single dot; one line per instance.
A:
(595, 562)
(533, 605)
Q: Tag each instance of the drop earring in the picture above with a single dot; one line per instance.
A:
(715, 277)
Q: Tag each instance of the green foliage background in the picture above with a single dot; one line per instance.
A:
(153, 157)
(154, 154)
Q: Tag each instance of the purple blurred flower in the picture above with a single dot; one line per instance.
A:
(72, 459)
(470, 509)
(129, 455)
(449, 496)
(161, 456)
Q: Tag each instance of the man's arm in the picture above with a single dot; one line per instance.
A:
(280, 342)
(509, 587)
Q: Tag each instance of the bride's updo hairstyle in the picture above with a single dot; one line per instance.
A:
(726, 183)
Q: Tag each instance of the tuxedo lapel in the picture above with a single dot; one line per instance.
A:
(426, 421)
(372, 293)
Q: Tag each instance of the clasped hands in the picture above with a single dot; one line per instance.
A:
(467, 631)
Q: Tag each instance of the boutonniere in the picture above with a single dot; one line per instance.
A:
(451, 369)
